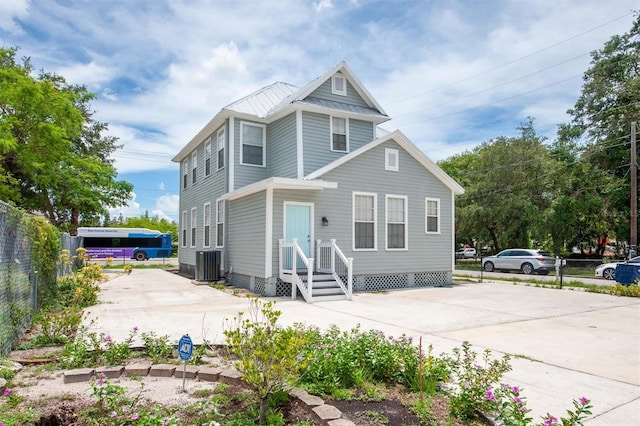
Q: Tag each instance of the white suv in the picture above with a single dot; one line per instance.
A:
(525, 260)
(466, 253)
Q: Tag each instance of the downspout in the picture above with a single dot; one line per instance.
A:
(299, 144)
(232, 150)
(268, 246)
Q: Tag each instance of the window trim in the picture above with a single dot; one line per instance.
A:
(334, 87)
(194, 226)
(183, 234)
(194, 167)
(206, 233)
(220, 138)
(220, 213)
(388, 153)
(346, 130)
(426, 215)
(207, 156)
(264, 143)
(185, 172)
(375, 220)
(405, 222)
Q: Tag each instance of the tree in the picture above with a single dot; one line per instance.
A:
(54, 158)
(602, 116)
(508, 184)
(162, 225)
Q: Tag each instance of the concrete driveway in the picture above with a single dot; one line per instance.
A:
(566, 344)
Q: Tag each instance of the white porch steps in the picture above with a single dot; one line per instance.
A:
(324, 288)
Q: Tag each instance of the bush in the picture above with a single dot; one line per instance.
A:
(268, 356)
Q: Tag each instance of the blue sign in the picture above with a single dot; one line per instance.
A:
(185, 348)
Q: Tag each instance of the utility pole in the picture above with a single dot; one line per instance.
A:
(634, 191)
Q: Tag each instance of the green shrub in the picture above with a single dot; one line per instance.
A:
(471, 379)
(157, 348)
(56, 327)
(268, 356)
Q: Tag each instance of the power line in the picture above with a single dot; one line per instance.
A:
(512, 62)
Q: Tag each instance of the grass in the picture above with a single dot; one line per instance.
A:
(584, 271)
(573, 284)
(142, 266)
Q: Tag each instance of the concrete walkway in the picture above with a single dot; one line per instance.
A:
(567, 344)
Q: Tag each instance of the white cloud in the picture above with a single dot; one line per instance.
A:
(449, 73)
(9, 11)
(109, 94)
(323, 5)
(90, 74)
(132, 209)
(167, 205)
(161, 186)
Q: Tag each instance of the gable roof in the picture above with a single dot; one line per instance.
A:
(398, 137)
(268, 102)
(342, 68)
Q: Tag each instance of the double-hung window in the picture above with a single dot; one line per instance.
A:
(194, 217)
(339, 134)
(207, 157)
(221, 148)
(207, 225)
(185, 172)
(220, 223)
(252, 140)
(194, 166)
(364, 221)
(183, 236)
(396, 222)
(432, 212)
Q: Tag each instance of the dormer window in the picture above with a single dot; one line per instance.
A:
(339, 85)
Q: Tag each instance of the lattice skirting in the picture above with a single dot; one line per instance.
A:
(365, 283)
(371, 283)
(398, 281)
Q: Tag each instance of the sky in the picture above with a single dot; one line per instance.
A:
(451, 74)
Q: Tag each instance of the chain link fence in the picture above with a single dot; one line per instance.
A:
(18, 277)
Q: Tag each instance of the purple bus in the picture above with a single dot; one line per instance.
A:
(133, 243)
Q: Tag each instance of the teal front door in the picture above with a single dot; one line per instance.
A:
(298, 225)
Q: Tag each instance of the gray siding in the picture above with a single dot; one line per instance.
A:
(281, 148)
(426, 252)
(245, 174)
(207, 189)
(245, 246)
(360, 133)
(316, 142)
(317, 139)
(352, 98)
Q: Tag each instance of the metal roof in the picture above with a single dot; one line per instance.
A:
(342, 107)
(262, 101)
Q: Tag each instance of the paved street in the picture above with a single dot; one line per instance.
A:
(566, 344)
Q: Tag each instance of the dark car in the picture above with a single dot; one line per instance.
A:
(526, 260)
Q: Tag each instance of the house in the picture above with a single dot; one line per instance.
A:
(298, 191)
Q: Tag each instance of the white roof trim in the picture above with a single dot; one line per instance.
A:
(213, 124)
(287, 104)
(313, 85)
(279, 183)
(408, 146)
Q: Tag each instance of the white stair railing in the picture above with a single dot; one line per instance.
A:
(292, 260)
(331, 260)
